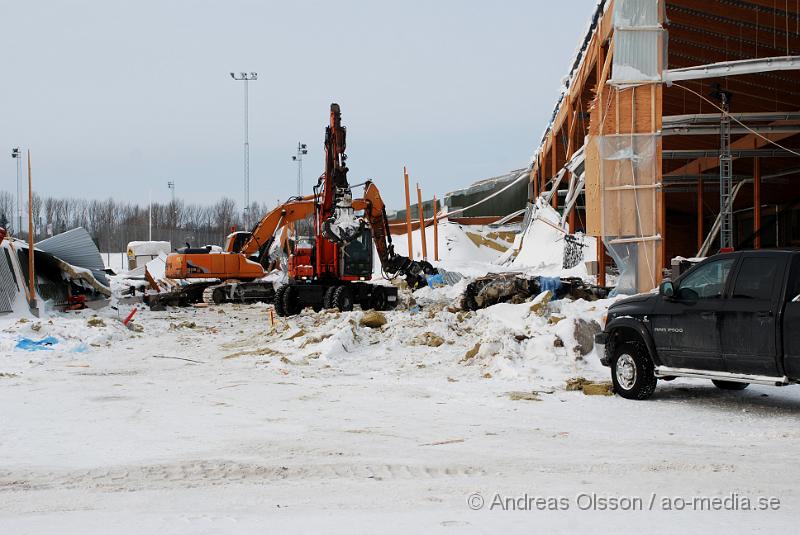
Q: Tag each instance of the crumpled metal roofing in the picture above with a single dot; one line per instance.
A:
(76, 247)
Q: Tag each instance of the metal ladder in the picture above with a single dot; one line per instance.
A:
(725, 178)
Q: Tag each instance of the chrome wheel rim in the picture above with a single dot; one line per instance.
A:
(626, 371)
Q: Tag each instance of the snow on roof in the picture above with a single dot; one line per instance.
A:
(577, 58)
(149, 248)
(488, 183)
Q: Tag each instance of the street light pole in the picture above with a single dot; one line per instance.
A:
(246, 78)
(171, 186)
(302, 150)
(17, 155)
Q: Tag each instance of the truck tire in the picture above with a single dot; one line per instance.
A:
(327, 297)
(729, 385)
(291, 301)
(378, 298)
(632, 371)
(279, 310)
(343, 299)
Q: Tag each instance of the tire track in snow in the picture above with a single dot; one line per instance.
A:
(212, 473)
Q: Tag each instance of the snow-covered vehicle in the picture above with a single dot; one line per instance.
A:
(732, 318)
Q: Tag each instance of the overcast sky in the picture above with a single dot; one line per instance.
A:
(115, 98)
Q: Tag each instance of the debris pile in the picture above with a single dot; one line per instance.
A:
(518, 288)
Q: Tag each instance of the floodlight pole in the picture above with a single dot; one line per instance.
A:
(17, 155)
(302, 150)
(246, 78)
(171, 186)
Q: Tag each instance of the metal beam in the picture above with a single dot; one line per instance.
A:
(752, 153)
(709, 130)
(697, 118)
(732, 68)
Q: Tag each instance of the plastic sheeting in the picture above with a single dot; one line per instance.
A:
(629, 197)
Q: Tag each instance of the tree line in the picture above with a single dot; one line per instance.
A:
(112, 223)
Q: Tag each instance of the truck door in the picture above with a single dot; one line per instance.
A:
(791, 321)
(685, 327)
(749, 319)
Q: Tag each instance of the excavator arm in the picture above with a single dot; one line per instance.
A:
(336, 214)
(264, 231)
(392, 263)
(237, 265)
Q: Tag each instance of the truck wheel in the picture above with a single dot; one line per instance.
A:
(279, 310)
(291, 302)
(327, 297)
(378, 298)
(632, 372)
(343, 299)
(729, 385)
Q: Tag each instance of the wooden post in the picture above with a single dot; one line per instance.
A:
(435, 230)
(421, 213)
(601, 60)
(408, 216)
(31, 272)
(700, 234)
(757, 203)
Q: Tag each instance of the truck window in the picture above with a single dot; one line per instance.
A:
(756, 279)
(707, 281)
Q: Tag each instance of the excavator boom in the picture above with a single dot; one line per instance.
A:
(237, 265)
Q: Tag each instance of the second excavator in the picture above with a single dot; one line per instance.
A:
(331, 266)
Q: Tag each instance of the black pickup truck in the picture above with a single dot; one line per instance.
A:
(733, 318)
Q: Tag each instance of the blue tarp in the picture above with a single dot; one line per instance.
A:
(45, 344)
(550, 283)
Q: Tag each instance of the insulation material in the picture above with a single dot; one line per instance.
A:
(76, 247)
(629, 195)
(639, 42)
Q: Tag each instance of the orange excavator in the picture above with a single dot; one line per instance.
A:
(330, 268)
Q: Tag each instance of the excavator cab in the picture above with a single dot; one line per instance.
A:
(235, 241)
(357, 256)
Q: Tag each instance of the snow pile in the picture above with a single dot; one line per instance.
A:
(457, 252)
(73, 332)
(534, 342)
(542, 247)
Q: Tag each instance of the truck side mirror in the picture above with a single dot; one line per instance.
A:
(667, 289)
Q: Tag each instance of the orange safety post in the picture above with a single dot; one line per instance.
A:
(435, 231)
(421, 214)
(408, 216)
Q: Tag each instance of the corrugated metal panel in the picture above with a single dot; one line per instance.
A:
(638, 41)
(8, 285)
(628, 13)
(76, 247)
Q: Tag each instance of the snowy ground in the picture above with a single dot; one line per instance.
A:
(214, 421)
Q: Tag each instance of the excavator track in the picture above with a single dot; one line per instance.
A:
(208, 294)
(239, 292)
